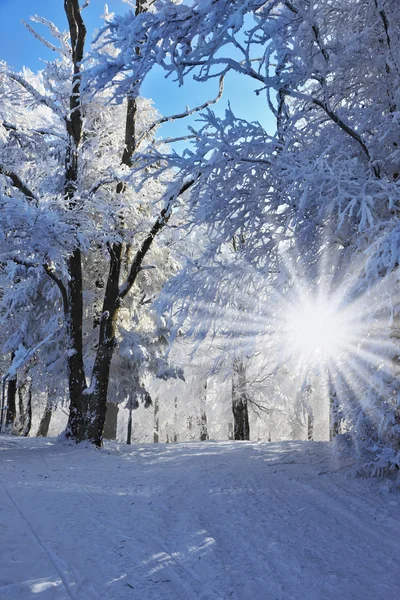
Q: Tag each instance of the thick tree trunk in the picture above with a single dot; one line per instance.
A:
(11, 399)
(129, 430)
(96, 395)
(11, 402)
(28, 414)
(78, 413)
(25, 412)
(111, 424)
(240, 402)
(21, 410)
(44, 425)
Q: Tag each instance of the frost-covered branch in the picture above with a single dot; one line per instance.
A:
(158, 225)
(51, 273)
(186, 113)
(10, 127)
(44, 100)
(43, 40)
(18, 183)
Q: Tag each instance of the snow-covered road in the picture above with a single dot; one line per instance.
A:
(207, 521)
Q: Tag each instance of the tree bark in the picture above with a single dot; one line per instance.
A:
(79, 416)
(28, 414)
(44, 425)
(129, 430)
(111, 424)
(11, 403)
(240, 402)
(77, 423)
(25, 412)
(96, 395)
(11, 400)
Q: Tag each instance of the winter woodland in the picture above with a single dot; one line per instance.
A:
(227, 283)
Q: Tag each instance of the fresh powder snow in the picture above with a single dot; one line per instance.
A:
(193, 521)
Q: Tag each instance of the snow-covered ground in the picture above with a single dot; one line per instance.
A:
(207, 521)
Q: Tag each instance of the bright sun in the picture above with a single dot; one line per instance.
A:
(316, 332)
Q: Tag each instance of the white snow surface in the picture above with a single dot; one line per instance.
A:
(207, 521)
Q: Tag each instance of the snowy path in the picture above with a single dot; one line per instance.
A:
(207, 521)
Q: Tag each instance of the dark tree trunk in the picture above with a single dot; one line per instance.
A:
(25, 412)
(96, 395)
(76, 427)
(240, 402)
(11, 402)
(129, 431)
(11, 399)
(44, 425)
(79, 415)
(21, 409)
(310, 427)
(28, 418)
(203, 415)
(111, 424)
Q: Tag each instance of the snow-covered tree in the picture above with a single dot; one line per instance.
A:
(78, 228)
(325, 184)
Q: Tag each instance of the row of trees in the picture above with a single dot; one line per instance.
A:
(77, 233)
(318, 199)
(81, 214)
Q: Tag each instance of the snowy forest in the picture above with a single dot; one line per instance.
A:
(232, 280)
(199, 300)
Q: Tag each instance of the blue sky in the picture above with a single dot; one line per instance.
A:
(18, 47)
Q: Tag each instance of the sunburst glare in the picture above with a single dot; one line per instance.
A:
(316, 331)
